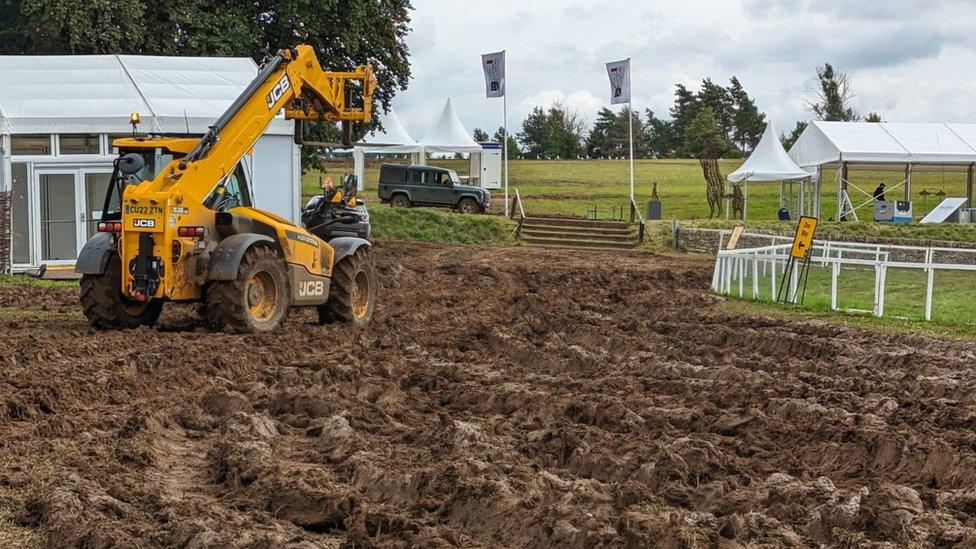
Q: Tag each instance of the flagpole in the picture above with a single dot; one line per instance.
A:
(505, 131)
(630, 125)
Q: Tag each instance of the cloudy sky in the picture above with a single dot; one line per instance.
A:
(910, 60)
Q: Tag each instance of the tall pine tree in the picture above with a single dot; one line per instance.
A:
(747, 122)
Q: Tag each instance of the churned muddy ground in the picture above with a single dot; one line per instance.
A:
(503, 397)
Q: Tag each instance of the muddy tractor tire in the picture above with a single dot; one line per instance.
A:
(469, 206)
(400, 201)
(257, 301)
(106, 307)
(352, 293)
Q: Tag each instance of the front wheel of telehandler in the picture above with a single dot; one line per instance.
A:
(257, 301)
(352, 293)
(106, 307)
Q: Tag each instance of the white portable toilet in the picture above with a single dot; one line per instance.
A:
(486, 166)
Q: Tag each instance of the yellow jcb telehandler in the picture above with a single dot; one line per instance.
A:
(178, 222)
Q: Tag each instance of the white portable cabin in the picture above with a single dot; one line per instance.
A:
(59, 114)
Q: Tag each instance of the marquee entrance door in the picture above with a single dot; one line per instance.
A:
(69, 204)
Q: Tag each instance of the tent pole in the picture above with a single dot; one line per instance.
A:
(819, 193)
(630, 130)
(908, 182)
(841, 206)
(969, 186)
(745, 201)
(802, 198)
(782, 191)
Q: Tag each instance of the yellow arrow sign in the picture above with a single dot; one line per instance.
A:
(803, 240)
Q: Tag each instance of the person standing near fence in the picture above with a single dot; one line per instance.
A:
(879, 193)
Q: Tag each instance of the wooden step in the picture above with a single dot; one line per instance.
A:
(574, 222)
(582, 229)
(593, 242)
(582, 234)
(577, 247)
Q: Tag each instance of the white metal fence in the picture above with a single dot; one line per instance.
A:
(768, 263)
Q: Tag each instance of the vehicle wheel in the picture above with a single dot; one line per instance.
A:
(400, 201)
(468, 206)
(352, 294)
(106, 307)
(257, 301)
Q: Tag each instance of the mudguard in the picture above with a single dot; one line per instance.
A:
(225, 260)
(94, 255)
(345, 246)
(473, 196)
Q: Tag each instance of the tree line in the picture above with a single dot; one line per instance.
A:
(716, 120)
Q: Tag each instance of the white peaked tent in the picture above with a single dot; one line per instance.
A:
(392, 139)
(768, 162)
(448, 134)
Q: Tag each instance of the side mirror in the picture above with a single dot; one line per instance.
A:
(131, 163)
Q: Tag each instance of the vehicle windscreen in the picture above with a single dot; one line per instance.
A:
(454, 177)
(155, 161)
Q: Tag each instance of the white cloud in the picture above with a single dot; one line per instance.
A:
(910, 60)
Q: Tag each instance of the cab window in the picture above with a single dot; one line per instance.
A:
(417, 176)
(230, 193)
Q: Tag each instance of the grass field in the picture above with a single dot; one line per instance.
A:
(952, 297)
(572, 187)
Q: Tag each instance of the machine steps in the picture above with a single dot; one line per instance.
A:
(555, 232)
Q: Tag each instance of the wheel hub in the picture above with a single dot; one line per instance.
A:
(360, 300)
(261, 295)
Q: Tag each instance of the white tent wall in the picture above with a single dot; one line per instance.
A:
(273, 179)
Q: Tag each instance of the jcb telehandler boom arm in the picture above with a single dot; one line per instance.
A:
(292, 80)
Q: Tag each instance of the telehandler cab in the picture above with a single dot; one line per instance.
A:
(178, 224)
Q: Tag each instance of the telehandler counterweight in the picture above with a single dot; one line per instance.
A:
(178, 224)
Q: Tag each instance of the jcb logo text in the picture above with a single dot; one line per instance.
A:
(311, 288)
(280, 88)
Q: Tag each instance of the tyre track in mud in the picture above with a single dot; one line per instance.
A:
(503, 397)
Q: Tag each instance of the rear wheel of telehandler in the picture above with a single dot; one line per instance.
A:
(106, 307)
(352, 293)
(257, 301)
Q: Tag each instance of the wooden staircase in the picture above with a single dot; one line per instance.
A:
(556, 232)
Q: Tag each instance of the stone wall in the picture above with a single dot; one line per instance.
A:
(5, 235)
(707, 241)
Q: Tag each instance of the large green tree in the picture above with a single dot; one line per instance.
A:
(748, 123)
(553, 133)
(834, 95)
(610, 135)
(660, 136)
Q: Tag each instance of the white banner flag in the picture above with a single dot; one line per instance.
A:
(494, 65)
(619, 72)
